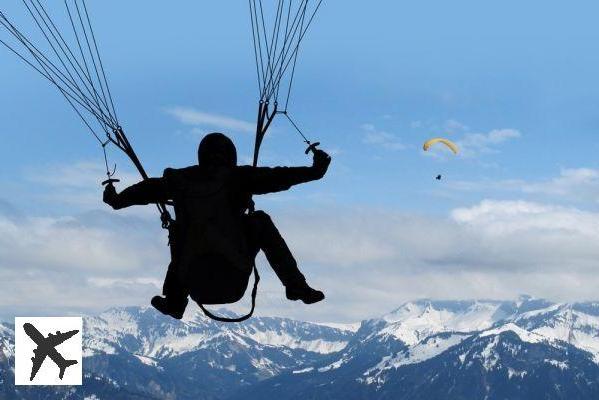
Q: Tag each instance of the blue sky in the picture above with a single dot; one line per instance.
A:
(514, 83)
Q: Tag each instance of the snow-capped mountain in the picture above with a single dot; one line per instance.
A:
(144, 332)
(525, 349)
(139, 352)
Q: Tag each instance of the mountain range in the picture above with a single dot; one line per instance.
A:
(425, 349)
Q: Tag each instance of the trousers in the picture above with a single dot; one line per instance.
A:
(211, 281)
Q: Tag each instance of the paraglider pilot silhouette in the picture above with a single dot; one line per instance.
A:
(216, 240)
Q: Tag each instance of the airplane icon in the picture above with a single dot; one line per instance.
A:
(46, 347)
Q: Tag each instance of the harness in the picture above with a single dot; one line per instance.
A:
(244, 317)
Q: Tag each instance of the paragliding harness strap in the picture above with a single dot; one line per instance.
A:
(244, 317)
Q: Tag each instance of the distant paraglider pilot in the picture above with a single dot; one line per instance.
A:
(215, 241)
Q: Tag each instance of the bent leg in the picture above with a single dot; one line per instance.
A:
(175, 300)
(265, 236)
(172, 287)
(174, 291)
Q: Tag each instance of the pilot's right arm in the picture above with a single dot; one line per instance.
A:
(262, 180)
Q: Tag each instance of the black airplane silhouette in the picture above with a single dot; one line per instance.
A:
(46, 348)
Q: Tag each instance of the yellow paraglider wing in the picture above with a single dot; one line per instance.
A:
(452, 146)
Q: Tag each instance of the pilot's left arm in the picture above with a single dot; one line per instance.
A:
(151, 190)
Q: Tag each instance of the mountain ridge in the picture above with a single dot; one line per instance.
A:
(528, 347)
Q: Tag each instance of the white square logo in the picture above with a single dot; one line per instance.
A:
(48, 351)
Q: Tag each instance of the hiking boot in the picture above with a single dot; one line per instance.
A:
(304, 293)
(166, 307)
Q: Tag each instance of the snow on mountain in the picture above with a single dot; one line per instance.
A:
(428, 348)
(352, 327)
(415, 321)
(422, 330)
(524, 335)
(577, 324)
(7, 341)
(145, 333)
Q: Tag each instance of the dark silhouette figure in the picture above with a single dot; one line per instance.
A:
(46, 347)
(438, 177)
(215, 240)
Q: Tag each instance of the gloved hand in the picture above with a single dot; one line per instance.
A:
(110, 196)
(321, 161)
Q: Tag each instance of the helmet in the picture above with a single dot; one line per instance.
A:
(217, 150)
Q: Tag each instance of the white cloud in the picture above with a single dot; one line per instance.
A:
(125, 283)
(366, 261)
(374, 136)
(574, 185)
(196, 118)
(475, 144)
(526, 235)
(83, 174)
(506, 234)
(577, 183)
(78, 263)
(452, 126)
(77, 187)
